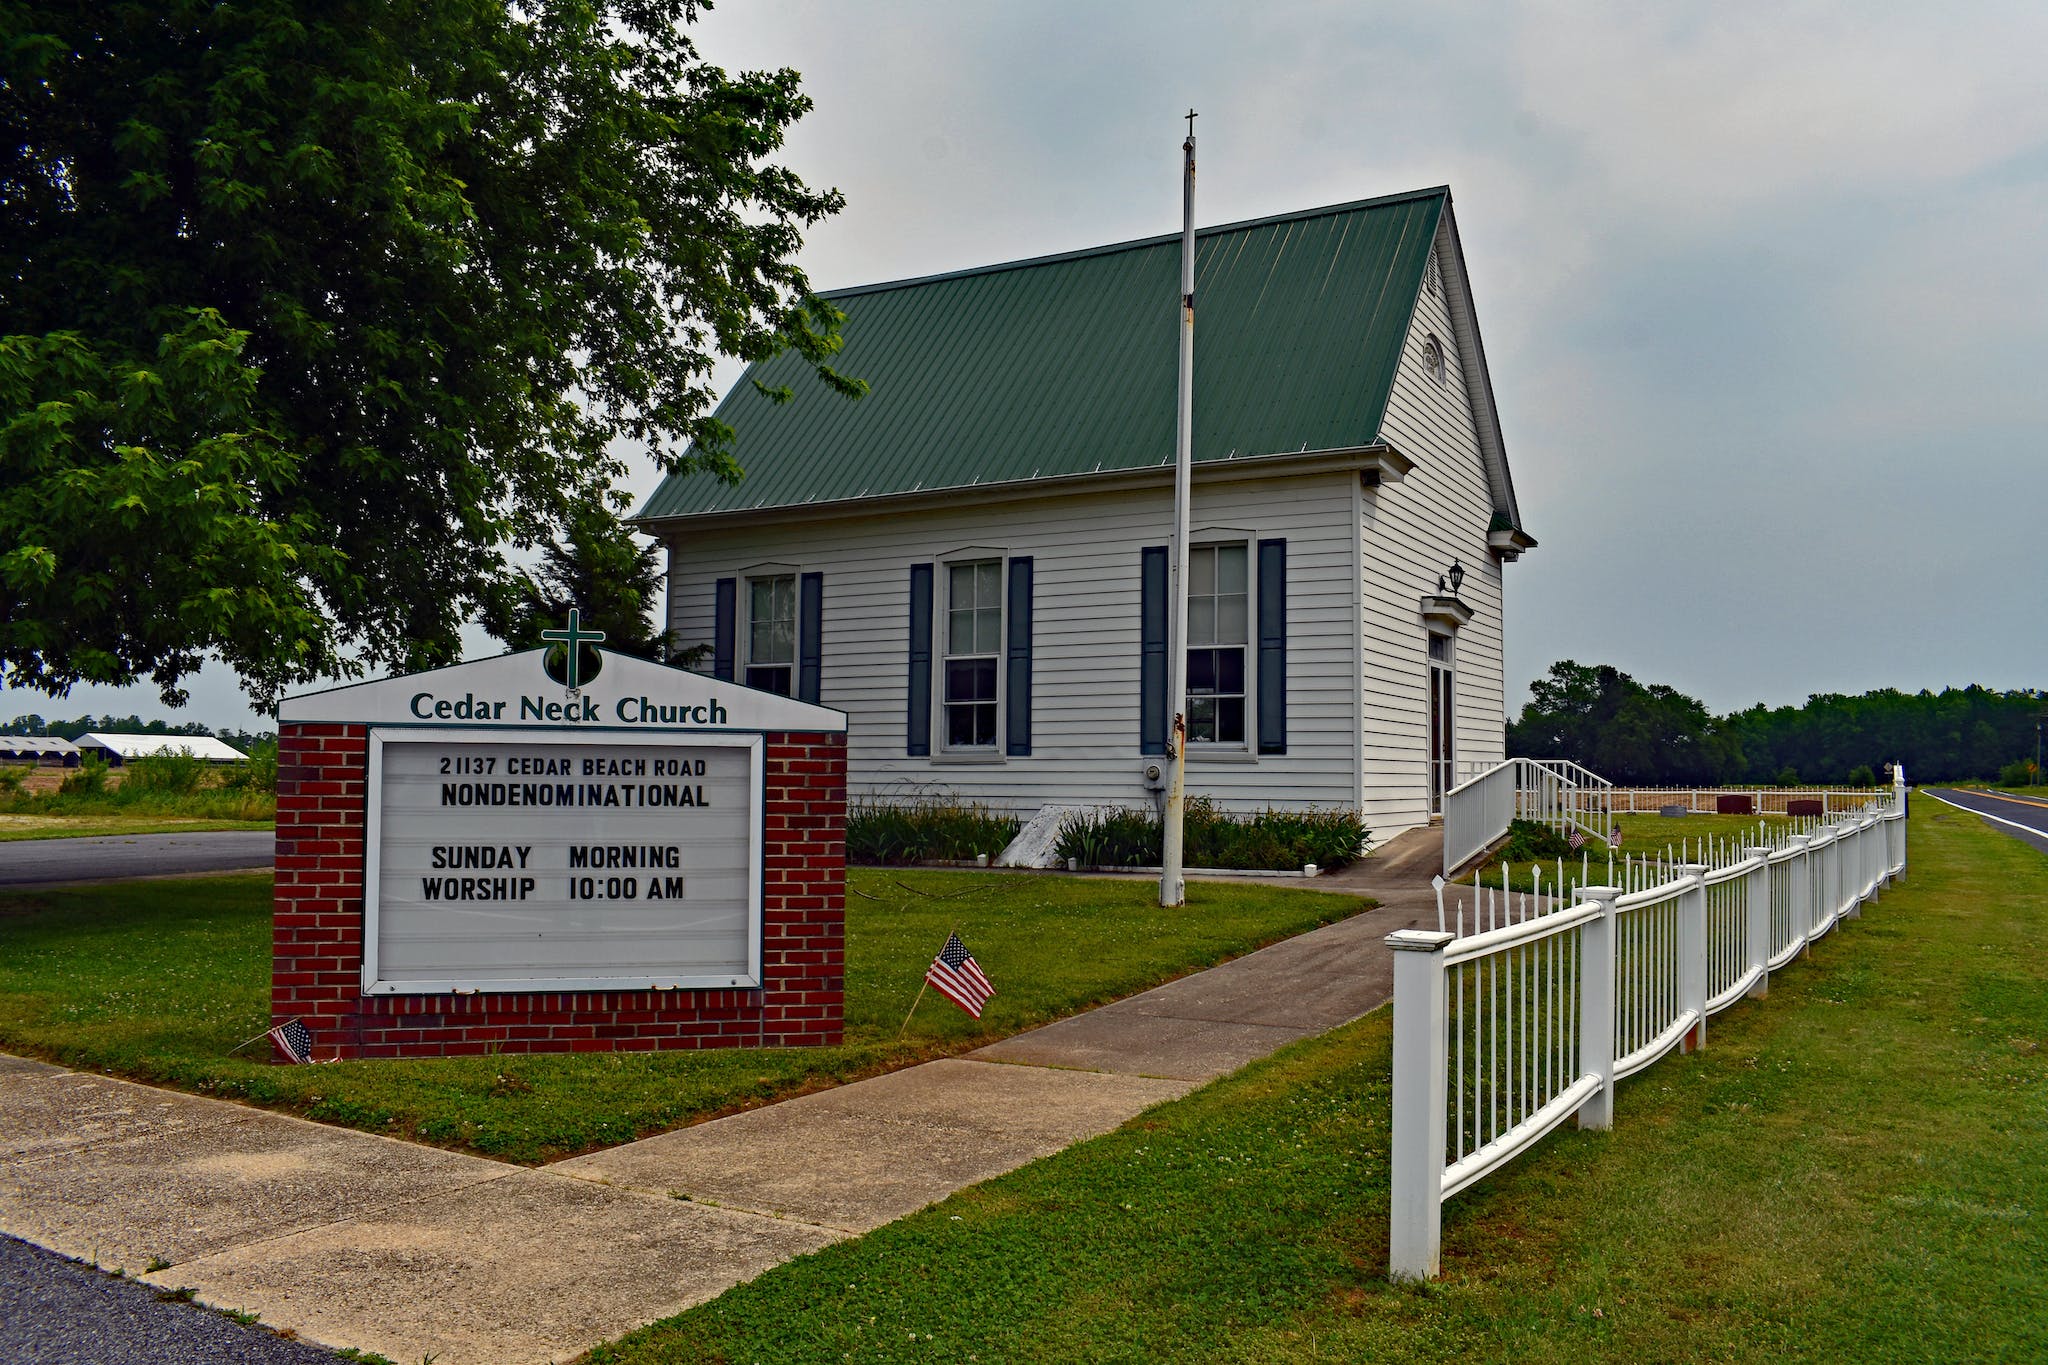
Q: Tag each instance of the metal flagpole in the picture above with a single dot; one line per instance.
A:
(1172, 885)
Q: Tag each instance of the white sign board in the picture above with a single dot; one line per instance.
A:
(513, 692)
(551, 860)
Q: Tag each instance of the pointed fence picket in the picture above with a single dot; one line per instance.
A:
(1526, 1016)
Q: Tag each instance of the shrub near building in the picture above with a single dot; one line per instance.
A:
(926, 830)
(1272, 840)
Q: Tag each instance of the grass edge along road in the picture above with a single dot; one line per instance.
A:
(158, 981)
(1855, 1169)
(23, 828)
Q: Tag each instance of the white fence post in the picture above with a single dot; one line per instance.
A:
(1848, 843)
(1759, 892)
(1899, 801)
(1596, 1006)
(1800, 870)
(1692, 952)
(1415, 1211)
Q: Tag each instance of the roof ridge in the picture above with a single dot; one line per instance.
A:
(1135, 244)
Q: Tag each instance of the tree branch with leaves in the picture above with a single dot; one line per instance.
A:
(314, 314)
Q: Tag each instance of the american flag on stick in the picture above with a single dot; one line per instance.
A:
(956, 975)
(294, 1040)
(1614, 839)
(1578, 840)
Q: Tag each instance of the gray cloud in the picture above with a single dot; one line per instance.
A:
(1762, 285)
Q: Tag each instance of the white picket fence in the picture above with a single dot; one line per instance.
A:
(1554, 792)
(1504, 1032)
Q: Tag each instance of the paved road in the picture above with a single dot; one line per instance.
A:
(46, 862)
(2023, 817)
(55, 1311)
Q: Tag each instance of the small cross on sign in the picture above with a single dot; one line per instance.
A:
(574, 638)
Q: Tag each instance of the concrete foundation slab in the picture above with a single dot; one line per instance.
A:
(529, 1268)
(10, 1065)
(123, 1174)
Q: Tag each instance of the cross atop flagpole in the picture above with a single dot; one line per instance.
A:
(575, 637)
(1172, 885)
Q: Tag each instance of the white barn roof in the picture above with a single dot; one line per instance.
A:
(155, 746)
(39, 745)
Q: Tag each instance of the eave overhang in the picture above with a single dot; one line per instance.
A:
(1509, 542)
(1374, 464)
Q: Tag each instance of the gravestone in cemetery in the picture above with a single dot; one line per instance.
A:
(488, 857)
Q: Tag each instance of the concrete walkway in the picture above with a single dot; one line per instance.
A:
(355, 1240)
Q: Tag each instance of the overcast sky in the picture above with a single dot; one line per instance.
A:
(1764, 287)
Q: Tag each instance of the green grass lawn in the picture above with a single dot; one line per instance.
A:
(14, 827)
(1856, 1169)
(160, 980)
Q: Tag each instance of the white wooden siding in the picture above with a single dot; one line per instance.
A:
(1412, 530)
(1085, 647)
(1357, 564)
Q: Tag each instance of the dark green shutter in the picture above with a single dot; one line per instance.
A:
(810, 629)
(918, 724)
(1017, 693)
(1152, 592)
(723, 632)
(1272, 646)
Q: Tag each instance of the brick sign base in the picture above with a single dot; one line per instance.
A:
(322, 795)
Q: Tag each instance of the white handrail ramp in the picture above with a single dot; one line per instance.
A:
(1502, 1034)
(1553, 792)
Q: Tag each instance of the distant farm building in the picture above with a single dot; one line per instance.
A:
(119, 749)
(46, 751)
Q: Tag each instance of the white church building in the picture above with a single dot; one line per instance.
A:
(971, 561)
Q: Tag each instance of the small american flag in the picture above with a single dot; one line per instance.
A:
(1578, 840)
(294, 1040)
(956, 975)
(1614, 839)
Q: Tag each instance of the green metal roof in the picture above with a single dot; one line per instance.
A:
(1065, 365)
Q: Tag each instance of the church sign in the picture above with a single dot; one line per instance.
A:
(485, 857)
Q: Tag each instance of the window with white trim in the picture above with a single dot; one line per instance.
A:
(970, 667)
(1219, 610)
(770, 634)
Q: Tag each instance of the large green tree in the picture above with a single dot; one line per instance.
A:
(1627, 732)
(611, 578)
(308, 311)
(1630, 732)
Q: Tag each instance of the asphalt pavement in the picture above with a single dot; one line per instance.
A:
(2023, 817)
(51, 862)
(57, 1311)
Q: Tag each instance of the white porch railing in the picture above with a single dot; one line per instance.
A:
(1554, 792)
(1504, 1033)
(1763, 800)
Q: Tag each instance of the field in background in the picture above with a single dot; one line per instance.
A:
(142, 794)
(1853, 1170)
(1642, 836)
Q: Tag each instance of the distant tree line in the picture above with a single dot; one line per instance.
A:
(1653, 735)
(245, 740)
